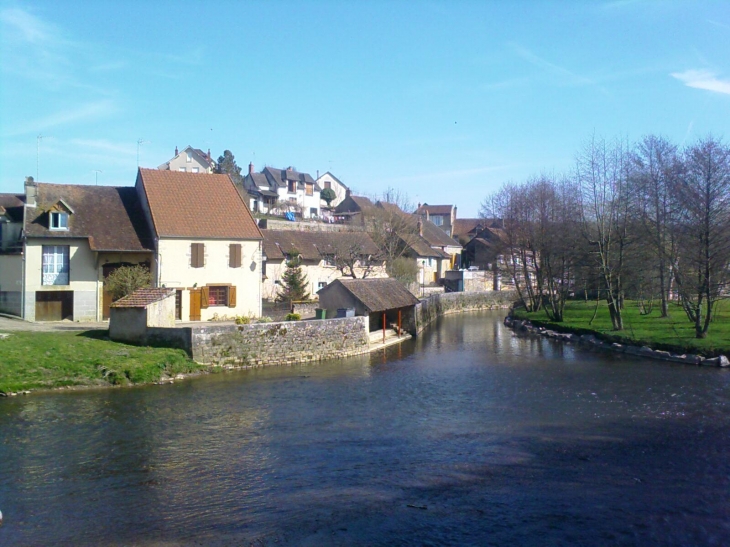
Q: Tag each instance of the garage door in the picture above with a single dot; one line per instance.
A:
(54, 305)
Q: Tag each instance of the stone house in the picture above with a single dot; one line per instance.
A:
(278, 191)
(190, 160)
(132, 314)
(207, 245)
(324, 257)
(61, 243)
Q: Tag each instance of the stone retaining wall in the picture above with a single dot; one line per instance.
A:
(593, 342)
(429, 309)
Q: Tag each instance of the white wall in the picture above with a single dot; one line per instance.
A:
(340, 190)
(175, 271)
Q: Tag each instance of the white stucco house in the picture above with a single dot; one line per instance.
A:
(278, 191)
(328, 180)
(206, 243)
(190, 160)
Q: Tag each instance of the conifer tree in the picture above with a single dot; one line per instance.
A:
(293, 281)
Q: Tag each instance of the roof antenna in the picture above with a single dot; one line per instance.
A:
(96, 176)
(140, 142)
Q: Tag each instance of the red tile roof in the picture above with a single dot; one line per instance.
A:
(196, 205)
(141, 298)
(434, 209)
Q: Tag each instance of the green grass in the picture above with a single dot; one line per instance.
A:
(32, 360)
(673, 333)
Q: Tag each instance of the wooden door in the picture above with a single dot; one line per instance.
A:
(54, 305)
(195, 300)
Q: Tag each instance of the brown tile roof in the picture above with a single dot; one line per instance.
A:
(313, 245)
(12, 206)
(110, 217)
(435, 236)
(378, 294)
(354, 204)
(434, 209)
(141, 298)
(196, 205)
(464, 226)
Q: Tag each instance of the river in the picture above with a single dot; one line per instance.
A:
(468, 435)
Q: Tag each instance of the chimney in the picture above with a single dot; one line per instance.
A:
(31, 192)
(419, 205)
(250, 168)
(208, 154)
(420, 227)
(176, 152)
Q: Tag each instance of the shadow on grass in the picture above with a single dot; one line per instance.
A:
(95, 334)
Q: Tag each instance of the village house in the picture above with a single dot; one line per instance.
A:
(328, 180)
(278, 191)
(442, 216)
(59, 243)
(353, 209)
(324, 257)
(190, 160)
(487, 251)
(206, 243)
(465, 229)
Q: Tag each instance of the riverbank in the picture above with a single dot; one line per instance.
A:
(48, 360)
(669, 338)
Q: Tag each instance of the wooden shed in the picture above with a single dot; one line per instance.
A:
(387, 302)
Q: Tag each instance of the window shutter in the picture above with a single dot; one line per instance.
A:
(231, 297)
(197, 255)
(234, 255)
(204, 298)
(201, 255)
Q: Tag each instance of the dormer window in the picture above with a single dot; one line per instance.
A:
(59, 220)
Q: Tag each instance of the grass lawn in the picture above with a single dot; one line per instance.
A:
(31, 360)
(673, 333)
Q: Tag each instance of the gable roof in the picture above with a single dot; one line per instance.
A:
(203, 157)
(196, 205)
(377, 294)
(466, 226)
(334, 178)
(281, 176)
(11, 205)
(110, 217)
(313, 245)
(141, 298)
(435, 209)
(435, 236)
(354, 204)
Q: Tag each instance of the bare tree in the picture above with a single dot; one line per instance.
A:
(354, 257)
(702, 269)
(603, 176)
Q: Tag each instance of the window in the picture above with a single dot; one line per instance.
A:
(59, 221)
(196, 170)
(309, 189)
(189, 159)
(321, 285)
(234, 255)
(219, 295)
(327, 184)
(292, 186)
(329, 260)
(437, 220)
(55, 265)
(197, 255)
(183, 169)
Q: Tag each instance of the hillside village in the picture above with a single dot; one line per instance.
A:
(223, 241)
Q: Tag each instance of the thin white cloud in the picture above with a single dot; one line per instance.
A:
(618, 4)
(91, 111)
(719, 24)
(27, 27)
(703, 79)
(103, 145)
(564, 75)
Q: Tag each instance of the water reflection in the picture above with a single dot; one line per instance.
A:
(466, 435)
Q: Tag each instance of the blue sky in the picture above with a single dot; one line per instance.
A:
(442, 100)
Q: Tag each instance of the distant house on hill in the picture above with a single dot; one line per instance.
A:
(465, 229)
(328, 180)
(442, 216)
(277, 191)
(190, 160)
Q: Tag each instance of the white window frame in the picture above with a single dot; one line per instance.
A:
(183, 169)
(196, 170)
(55, 218)
(56, 265)
(189, 158)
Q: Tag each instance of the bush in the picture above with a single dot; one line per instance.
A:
(265, 319)
(293, 317)
(242, 320)
(404, 270)
(127, 279)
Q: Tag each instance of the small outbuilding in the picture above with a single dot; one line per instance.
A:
(132, 314)
(387, 302)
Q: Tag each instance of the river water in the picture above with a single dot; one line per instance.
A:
(469, 435)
